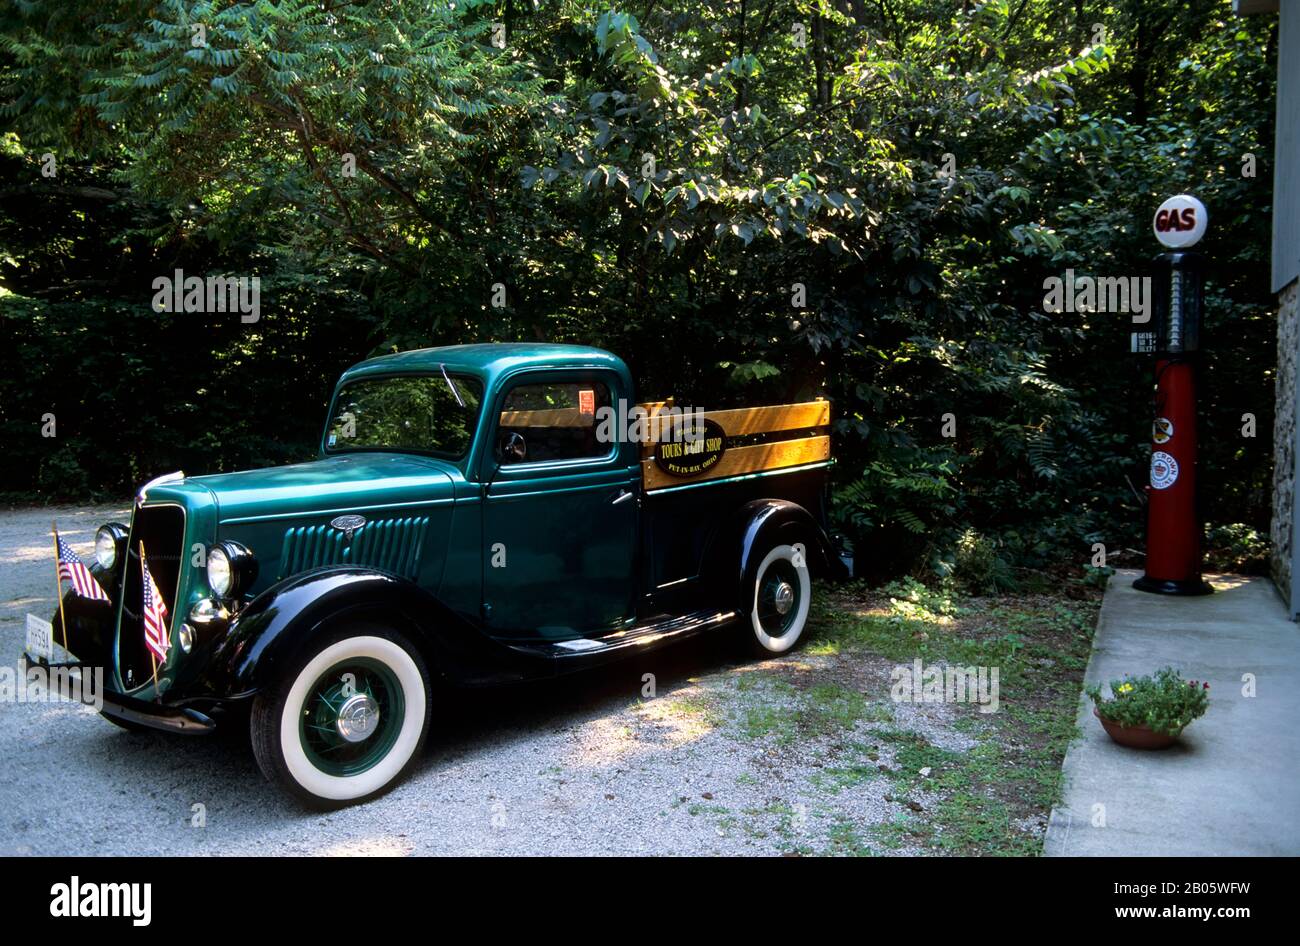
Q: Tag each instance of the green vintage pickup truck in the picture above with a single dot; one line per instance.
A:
(479, 514)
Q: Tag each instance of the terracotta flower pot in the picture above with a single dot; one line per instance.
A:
(1135, 737)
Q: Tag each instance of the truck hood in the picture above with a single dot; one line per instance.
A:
(341, 483)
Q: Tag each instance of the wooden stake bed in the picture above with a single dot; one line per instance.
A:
(738, 461)
(757, 438)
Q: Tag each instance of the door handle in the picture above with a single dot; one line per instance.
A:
(622, 497)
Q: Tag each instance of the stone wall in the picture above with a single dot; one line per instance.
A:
(1288, 347)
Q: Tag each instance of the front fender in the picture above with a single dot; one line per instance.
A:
(281, 622)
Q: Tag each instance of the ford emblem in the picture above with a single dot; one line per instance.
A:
(348, 524)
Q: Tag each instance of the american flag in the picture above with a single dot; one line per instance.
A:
(78, 575)
(156, 637)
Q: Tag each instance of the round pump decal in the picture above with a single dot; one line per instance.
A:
(1164, 470)
(1162, 430)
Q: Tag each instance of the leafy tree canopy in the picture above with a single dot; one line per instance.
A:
(748, 200)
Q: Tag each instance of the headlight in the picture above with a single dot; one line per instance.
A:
(186, 638)
(219, 573)
(231, 569)
(110, 540)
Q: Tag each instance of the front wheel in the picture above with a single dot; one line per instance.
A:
(779, 598)
(346, 721)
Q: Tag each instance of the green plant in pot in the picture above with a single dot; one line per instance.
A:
(1149, 712)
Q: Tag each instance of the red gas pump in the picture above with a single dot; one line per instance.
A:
(1173, 564)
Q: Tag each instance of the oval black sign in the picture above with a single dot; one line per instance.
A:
(690, 447)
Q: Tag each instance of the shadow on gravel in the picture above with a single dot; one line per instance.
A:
(465, 723)
(469, 721)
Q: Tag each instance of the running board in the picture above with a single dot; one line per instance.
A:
(619, 643)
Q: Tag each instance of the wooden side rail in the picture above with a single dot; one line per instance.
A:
(738, 461)
(745, 421)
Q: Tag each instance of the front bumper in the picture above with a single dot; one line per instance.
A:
(160, 716)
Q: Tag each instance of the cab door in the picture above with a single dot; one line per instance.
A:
(560, 510)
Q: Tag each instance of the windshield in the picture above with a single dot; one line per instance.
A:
(417, 413)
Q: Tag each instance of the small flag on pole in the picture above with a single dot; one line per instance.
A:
(156, 637)
(78, 575)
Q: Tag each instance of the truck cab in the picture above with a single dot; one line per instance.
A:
(477, 515)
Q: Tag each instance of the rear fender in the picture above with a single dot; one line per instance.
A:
(737, 549)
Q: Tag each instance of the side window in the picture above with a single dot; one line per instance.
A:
(557, 421)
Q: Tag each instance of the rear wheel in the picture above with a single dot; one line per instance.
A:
(780, 595)
(346, 721)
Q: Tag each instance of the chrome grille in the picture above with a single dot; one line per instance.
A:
(391, 545)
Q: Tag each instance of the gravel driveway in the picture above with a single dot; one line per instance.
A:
(713, 763)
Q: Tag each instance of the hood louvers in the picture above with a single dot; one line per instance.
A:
(392, 545)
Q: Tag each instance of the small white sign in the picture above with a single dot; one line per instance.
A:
(579, 644)
(1180, 222)
(1162, 430)
(40, 637)
(1164, 470)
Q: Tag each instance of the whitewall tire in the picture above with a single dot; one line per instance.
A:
(780, 596)
(347, 720)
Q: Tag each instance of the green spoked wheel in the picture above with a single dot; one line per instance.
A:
(352, 717)
(779, 600)
(347, 720)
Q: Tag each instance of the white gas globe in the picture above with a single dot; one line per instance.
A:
(1180, 222)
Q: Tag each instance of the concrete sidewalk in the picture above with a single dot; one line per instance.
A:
(1232, 784)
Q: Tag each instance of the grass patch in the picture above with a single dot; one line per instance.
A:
(835, 779)
(985, 795)
(772, 707)
(829, 707)
(992, 798)
(845, 840)
(706, 710)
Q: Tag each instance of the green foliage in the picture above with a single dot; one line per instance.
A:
(910, 600)
(866, 210)
(1236, 547)
(1096, 576)
(979, 567)
(136, 393)
(1165, 701)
